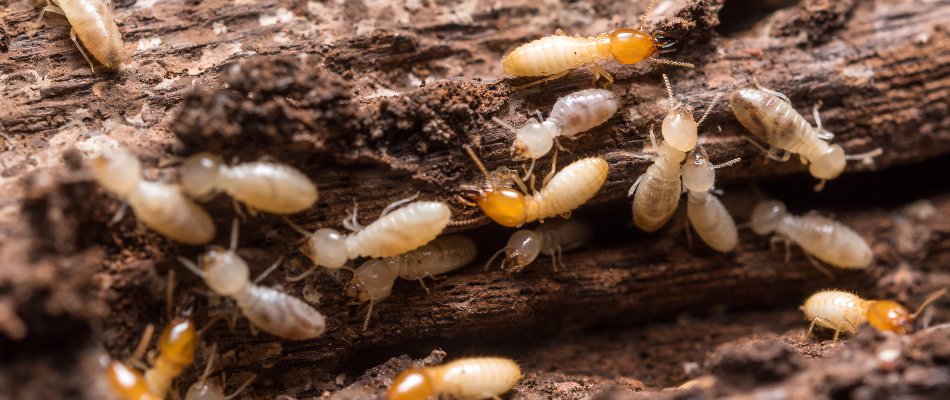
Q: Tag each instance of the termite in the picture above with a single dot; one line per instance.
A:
(373, 281)
(825, 239)
(162, 207)
(845, 312)
(657, 191)
(206, 389)
(266, 186)
(705, 212)
(565, 191)
(93, 24)
(769, 116)
(271, 310)
(395, 232)
(463, 379)
(554, 56)
(550, 239)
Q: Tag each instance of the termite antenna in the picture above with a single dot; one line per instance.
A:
(143, 343)
(369, 313)
(191, 267)
(493, 257)
(643, 18)
(669, 91)
(481, 166)
(297, 228)
(306, 273)
(866, 157)
(671, 62)
(930, 299)
(727, 163)
(169, 293)
(242, 387)
(709, 108)
(504, 124)
(209, 325)
(211, 355)
(234, 235)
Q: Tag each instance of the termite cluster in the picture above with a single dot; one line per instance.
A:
(405, 242)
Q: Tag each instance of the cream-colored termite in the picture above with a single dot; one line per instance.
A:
(463, 379)
(94, 26)
(564, 192)
(825, 239)
(550, 239)
(207, 389)
(769, 116)
(845, 312)
(266, 186)
(657, 191)
(396, 232)
(554, 56)
(705, 212)
(373, 281)
(271, 310)
(162, 207)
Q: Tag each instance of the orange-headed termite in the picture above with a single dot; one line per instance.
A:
(845, 312)
(93, 24)
(706, 213)
(463, 379)
(550, 239)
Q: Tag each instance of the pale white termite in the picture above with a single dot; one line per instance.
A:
(657, 191)
(162, 207)
(207, 389)
(266, 186)
(404, 229)
(463, 379)
(826, 239)
(769, 116)
(271, 310)
(373, 281)
(572, 114)
(565, 191)
(705, 212)
(845, 312)
(550, 239)
(92, 22)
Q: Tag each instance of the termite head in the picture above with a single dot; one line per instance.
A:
(829, 165)
(199, 174)
(224, 271)
(534, 139)
(128, 383)
(503, 205)
(118, 172)
(766, 216)
(327, 248)
(411, 384)
(179, 341)
(372, 281)
(889, 316)
(522, 249)
(699, 174)
(630, 46)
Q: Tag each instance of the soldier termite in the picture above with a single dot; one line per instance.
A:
(568, 189)
(554, 56)
(266, 186)
(550, 239)
(657, 191)
(826, 239)
(93, 24)
(373, 281)
(206, 389)
(401, 230)
(706, 213)
(273, 311)
(164, 208)
(845, 312)
(769, 116)
(463, 379)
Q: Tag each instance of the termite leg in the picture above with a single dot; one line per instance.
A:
(560, 32)
(270, 269)
(119, 214)
(820, 185)
(493, 257)
(818, 266)
(636, 183)
(689, 236)
(823, 134)
(72, 35)
(599, 71)
(424, 287)
(143, 345)
(238, 209)
(769, 153)
(556, 76)
(553, 168)
(396, 204)
(530, 170)
(51, 9)
(811, 327)
(775, 93)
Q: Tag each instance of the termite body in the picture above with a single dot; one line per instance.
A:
(266, 186)
(845, 312)
(176, 351)
(93, 24)
(164, 208)
(826, 239)
(706, 213)
(550, 239)
(463, 379)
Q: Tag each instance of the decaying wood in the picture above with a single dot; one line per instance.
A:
(333, 90)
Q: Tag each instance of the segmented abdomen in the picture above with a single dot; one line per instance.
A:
(551, 55)
(712, 222)
(837, 310)
(828, 240)
(407, 228)
(167, 210)
(583, 110)
(568, 189)
(273, 188)
(442, 255)
(476, 377)
(773, 120)
(280, 314)
(566, 234)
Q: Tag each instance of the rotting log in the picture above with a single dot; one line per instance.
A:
(348, 114)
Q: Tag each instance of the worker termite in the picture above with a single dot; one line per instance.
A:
(266, 186)
(826, 239)
(657, 191)
(206, 389)
(273, 311)
(706, 213)
(164, 208)
(463, 379)
(93, 24)
(845, 312)
(565, 191)
(399, 231)
(373, 281)
(554, 56)
(572, 114)
(769, 116)
(550, 239)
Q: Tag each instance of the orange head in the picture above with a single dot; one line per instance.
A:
(890, 316)
(630, 46)
(505, 206)
(411, 384)
(127, 383)
(179, 341)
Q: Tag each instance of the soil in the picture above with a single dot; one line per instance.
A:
(374, 101)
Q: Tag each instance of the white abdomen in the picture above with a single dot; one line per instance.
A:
(280, 314)
(269, 187)
(568, 189)
(407, 228)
